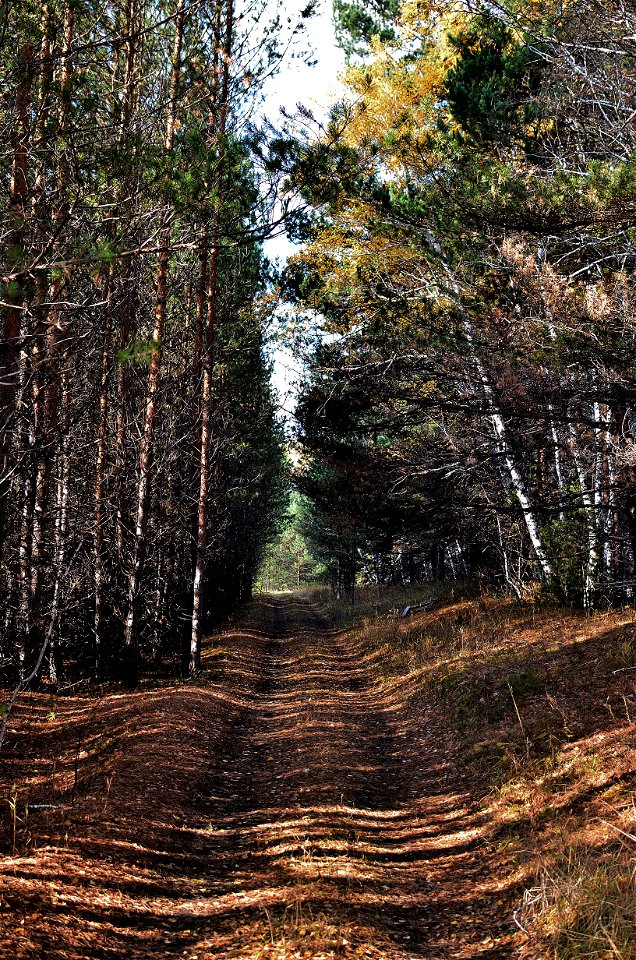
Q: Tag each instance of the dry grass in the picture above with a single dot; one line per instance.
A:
(486, 748)
(585, 905)
(540, 705)
(299, 809)
(372, 602)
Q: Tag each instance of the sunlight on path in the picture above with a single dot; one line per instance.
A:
(324, 824)
(346, 844)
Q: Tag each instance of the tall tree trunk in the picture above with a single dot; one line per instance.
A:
(100, 481)
(46, 377)
(147, 445)
(37, 465)
(220, 110)
(118, 321)
(132, 21)
(61, 524)
(24, 496)
(611, 512)
(11, 366)
(558, 469)
(514, 470)
(589, 584)
(519, 485)
(501, 432)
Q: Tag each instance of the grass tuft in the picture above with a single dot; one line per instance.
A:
(585, 905)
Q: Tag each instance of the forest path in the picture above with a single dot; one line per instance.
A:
(335, 818)
(324, 825)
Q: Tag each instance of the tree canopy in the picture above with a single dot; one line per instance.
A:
(471, 406)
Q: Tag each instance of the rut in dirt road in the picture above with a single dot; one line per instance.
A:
(347, 835)
(295, 804)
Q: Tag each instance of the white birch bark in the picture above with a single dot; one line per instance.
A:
(558, 467)
(590, 514)
(514, 470)
(501, 432)
(610, 496)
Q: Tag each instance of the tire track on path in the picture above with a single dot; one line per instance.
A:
(346, 842)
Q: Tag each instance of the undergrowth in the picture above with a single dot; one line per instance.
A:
(540, 704)
(375, 601)
(585, 904)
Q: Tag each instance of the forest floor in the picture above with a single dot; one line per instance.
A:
(317, 794)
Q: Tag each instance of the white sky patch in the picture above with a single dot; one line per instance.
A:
(316, 88)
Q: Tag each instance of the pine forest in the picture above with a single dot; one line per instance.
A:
(340, 662)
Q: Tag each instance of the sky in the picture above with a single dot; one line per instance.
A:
(316, 88)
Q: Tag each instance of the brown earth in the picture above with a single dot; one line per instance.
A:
(294, 804)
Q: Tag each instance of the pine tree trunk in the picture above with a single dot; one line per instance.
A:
(125, 113)
(219, 108)
(100, 480)
(147, 445)
(61, 525)
(9, 349)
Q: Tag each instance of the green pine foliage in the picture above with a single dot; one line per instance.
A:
(492, 86)
(288, 563)
(358, 23)
(471, 413)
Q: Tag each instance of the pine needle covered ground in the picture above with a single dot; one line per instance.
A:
(457, 783)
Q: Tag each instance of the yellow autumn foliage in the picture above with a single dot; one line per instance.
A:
(352, 258)
(396, 95)
(395, 105)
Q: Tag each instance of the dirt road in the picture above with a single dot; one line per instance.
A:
(324, 823)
